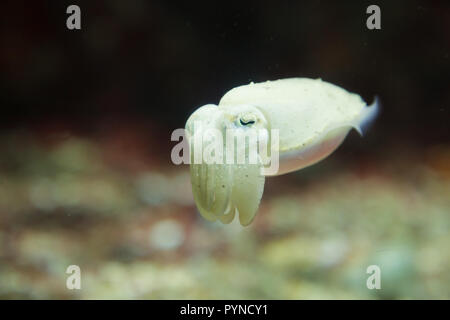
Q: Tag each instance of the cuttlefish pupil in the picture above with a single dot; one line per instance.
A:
(311, 118)
(246, 123)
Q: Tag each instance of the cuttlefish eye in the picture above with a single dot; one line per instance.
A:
(245, 116)
(302, 121)
(247, 120)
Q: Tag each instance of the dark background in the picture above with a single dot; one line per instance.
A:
(157, 61)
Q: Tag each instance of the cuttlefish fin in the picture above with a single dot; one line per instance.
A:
(367, 116)
(327, 142)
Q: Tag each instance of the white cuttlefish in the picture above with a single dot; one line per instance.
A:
(312, 118)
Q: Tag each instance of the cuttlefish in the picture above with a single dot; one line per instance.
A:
(310, 118)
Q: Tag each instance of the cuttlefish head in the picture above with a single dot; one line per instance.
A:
(222, 184)
(240, 117)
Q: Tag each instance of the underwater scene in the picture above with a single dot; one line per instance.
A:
(93, 205)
